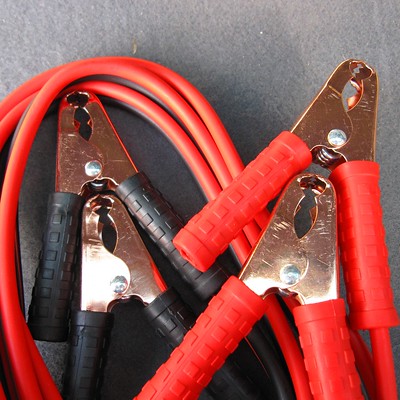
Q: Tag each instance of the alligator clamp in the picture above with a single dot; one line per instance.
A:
(305, 267)
(95, 180)
(115, 266)
(91, 159)
(329, 133)
(338, 134)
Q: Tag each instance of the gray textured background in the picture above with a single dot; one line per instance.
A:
(259, 63)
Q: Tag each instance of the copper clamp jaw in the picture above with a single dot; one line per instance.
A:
(115, 262)
(307, 266)
(90, 154)
(92, 162)
(338, 129)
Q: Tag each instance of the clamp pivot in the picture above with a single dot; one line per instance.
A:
(338, 129)
(115, 262)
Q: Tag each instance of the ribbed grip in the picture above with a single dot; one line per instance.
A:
(162, 224)
(172, 320)
(210, 231)
(88, 344)
(217, 332)
(170, 317)
(51, 296)
(328, 357)
(363, 250)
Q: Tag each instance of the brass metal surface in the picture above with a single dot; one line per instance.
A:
(305, 266)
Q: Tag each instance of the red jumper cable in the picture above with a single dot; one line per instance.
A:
(53, 82)
(282, 262)
(344, 144)
(20, 152)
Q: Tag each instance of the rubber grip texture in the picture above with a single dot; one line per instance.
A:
(51, 296)
(364, 255)
(170, 317)
(217, 332)
(161, 223)
(210, 231)
(172, 320)
(88, 343)
(328, 356)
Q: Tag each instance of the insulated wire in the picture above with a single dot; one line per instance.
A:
(215, 127)
(208, 147)
(259, 341)
(23, 150)
(176, 135)
(364, 362)
(279, 322)
(383, 363)
(167, 125)
(2, 394)
(53, 81)
(6, 379)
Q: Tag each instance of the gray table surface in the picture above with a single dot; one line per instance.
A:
(259, 63)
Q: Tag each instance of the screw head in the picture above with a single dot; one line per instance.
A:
(119, 284)
(337, 137)
(93, 168)
(290, 274)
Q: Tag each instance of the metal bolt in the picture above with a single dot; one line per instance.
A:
(290, 274)
(119, 284)
(93, 168)
(336, 137)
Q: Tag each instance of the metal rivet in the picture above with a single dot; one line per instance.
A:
(119, 284)
(290, 274)
(93, 168)
(336, 137)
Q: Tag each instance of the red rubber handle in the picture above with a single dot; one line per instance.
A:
(227, 320)
(328, 355)
(364, 254)
(210, 231)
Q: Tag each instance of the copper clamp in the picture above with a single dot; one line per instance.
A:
(90, 154)
(115, 262)
(338, 129)
(304, 266)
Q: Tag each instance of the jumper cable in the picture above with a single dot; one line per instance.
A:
(281, 261)
(156, 79)
(341, 139)
(91, 160)
(11, 116)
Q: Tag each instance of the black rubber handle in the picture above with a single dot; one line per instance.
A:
(161, 223)
(172, 319)
(88, 344)
(230, 383)
(51, 296)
